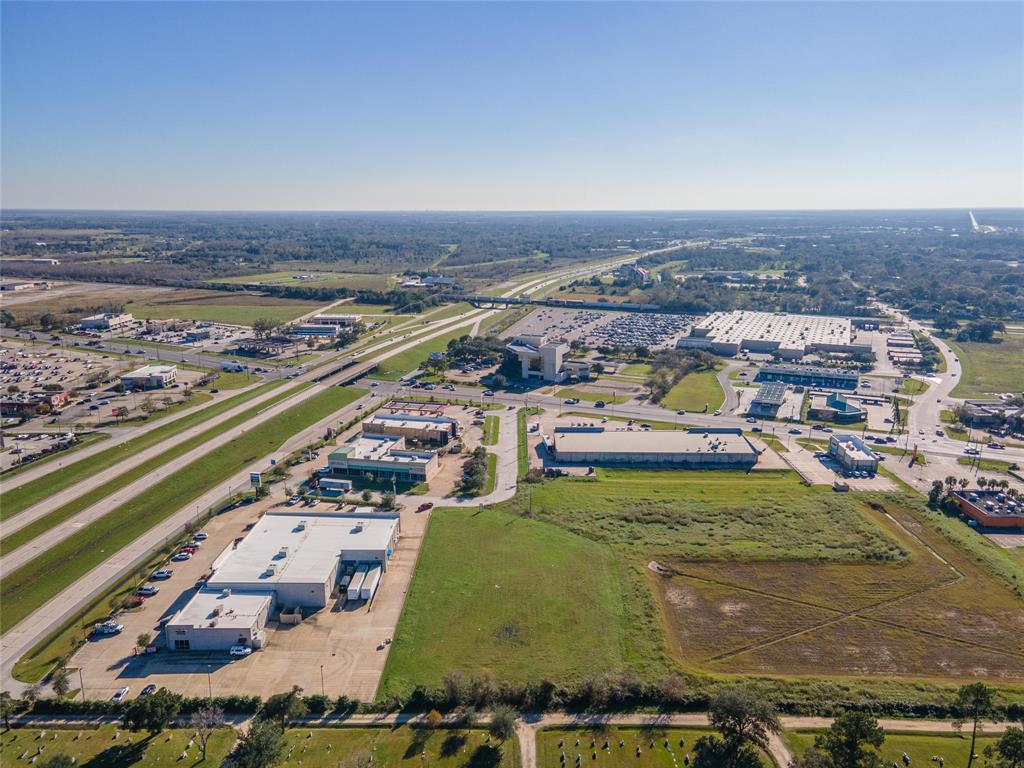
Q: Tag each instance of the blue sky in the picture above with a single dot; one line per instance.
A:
(383, 106)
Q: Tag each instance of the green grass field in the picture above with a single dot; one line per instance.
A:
(18, 499)
(592, 397)
(990, 368)
(635, 369)
(696, 391)
(25, 589)
(42, 524)
(219, 307)
(310, 747)
(986, 465)
(351, 280)
(913, 387)
(919, 747)
(395, 367)
(532, 601)
(672, 747)
(491, 426)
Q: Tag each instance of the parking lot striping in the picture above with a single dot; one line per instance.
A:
(18, 499)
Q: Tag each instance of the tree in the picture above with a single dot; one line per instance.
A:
(154, 712)
(262, 746)
(1008, 752)
(973, 703)
(935, 494)
(143, 640)
(8, 706)
(366, 495)
(741, 717)
(811, 758)
(433, 719)
(59, 760)
(713, 752)
(387, 500)
(205, 721)
(263, 327)
(848, 740)
(282, 708)
(503, 723)
(60, 682)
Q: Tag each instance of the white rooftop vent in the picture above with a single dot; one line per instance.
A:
(301, 526)
(271, 569)
(282, 552)
(226, 592)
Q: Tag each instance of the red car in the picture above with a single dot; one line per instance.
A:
(424, 507)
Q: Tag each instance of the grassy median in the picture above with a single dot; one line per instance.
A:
(29, 587)
(21, 498)
(66, 511)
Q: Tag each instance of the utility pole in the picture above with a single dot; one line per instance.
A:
(322, 692)
(81, 682)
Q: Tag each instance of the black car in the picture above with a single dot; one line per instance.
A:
(148, 690)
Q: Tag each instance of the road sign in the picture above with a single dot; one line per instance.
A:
(255, 479)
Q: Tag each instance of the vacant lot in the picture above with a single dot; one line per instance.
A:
(712, 572)
(311, 747)
(922, 617)
(672, 747)
(237, 308)
(696, 392)
(919, 747)
(302, 278)
(990, 368)
(518, 598)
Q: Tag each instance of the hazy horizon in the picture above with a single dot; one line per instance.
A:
(417, 107)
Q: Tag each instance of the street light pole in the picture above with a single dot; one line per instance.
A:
(209, 681)
(322, 691)
(81, 682)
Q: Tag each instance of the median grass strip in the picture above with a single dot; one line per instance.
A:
(397, 366)
(491, 427)
(523, 447)
(55, 517)
(29, 587)
(18, 499)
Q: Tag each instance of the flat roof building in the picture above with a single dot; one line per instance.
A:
(150, 377)
(287, 562)
(991, 509)
(768, 400)
(314, 329)
(423, 429)
(810, 376)
(839, 409)
(852, 453)
(332, 319)
(695, 448)
(789, 336)
(107, 321)
(384, 457)
(539, 357)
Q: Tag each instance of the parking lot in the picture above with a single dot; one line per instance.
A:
(825, 471)
(27, 447)
(598, 328)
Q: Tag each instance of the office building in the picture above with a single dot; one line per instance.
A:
(150, 377)
(852, 453)
(543, 359)
(439, 430)
(384, 457)
(691, 449)
(809, 376)
(837, 408)
(768, 400)
(108, 321)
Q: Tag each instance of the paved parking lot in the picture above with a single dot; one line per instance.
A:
(821, 472)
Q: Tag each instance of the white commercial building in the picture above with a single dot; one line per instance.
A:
(150, 377)
(540, 357)
(695, 448)
(108, 321)
(423, 429)
(384, 457)
(331, 319)
(789, 336)
(852, 453)
(288, 563)
(314, 329)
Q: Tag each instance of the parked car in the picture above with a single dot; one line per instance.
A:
(163, 573)
(201, 536)
(151, 688)
(239, 651)
(108, 628)
(182, 556)
(147, 590)
(120, 694)
(294, 500)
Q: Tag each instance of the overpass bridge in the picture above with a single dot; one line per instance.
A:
(478, 300)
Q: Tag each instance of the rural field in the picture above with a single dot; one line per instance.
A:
(305, 278)
(672, 747)
(693, 571)
(113, 747)
(990, 368)
(69, 301)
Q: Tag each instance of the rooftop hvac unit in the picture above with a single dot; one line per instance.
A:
(282, 552)
(301, 526)
(271, 569)
(218, 610)
(226, 592)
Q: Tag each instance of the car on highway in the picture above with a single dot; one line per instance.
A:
(599, 404)
(571, 400)
(997, 446)
(449, 387)
(239, 651)
(756, 429)
(751, 420)
(424, 506)
(488, 393)
(147, 590)
(181, 556)
(163, 573)
(151, 688)
(120, 694)
(794, 431)
(939, 433)
(680, 412)
(717, 413)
